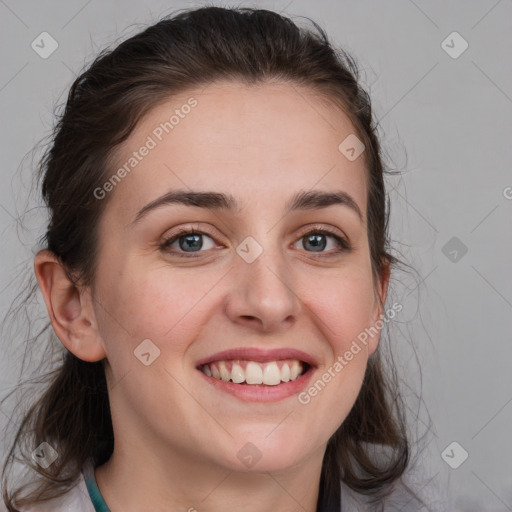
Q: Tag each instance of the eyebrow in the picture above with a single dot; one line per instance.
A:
(302, 200)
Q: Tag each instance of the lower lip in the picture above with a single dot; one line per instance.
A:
(261, 392)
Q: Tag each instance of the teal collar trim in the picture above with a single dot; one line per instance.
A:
(92, 488)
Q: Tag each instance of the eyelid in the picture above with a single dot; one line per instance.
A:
(323, 228)
(186, 230)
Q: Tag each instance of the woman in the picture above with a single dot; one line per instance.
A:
(216, 267)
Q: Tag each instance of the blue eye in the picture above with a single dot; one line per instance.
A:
(316, 239)
(190, 241)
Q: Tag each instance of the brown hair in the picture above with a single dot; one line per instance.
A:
(104, 104)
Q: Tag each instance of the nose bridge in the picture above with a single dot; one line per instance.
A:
(264, 279)
(269, 271)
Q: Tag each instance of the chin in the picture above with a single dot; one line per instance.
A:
(259, 453)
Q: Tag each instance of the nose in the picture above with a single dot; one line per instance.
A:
(262, 296)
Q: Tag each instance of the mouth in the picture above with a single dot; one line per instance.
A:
(249, 373)
(257, 375)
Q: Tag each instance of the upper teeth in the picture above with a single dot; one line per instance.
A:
(251, 372)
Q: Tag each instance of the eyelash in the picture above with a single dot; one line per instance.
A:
(343, 244)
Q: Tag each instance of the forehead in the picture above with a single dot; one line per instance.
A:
(255, 141)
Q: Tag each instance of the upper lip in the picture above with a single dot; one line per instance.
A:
(259, 355)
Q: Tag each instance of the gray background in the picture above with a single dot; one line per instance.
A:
(446, 125)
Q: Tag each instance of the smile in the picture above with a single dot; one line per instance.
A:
(253, 374)
(271, 373)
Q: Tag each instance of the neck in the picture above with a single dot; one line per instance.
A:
(134, 479)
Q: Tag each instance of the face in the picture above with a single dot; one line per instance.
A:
(263, 283)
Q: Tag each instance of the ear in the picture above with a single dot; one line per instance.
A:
(380, 299)
(69, 308)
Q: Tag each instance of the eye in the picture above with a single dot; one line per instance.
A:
(190, 241)
(316, 239)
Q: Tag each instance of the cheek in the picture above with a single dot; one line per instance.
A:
(163, 304)
(343, 306)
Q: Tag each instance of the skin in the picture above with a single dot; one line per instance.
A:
(175, 435)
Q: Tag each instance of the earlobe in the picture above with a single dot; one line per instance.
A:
(70, 310)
